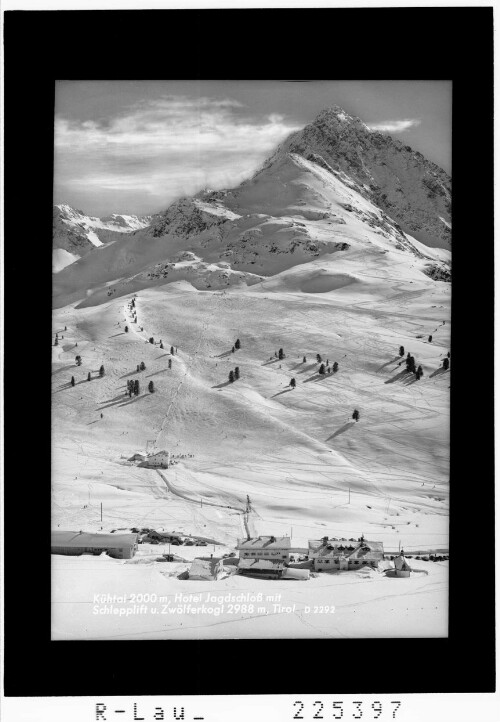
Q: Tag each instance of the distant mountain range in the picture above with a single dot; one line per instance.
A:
(333, 185)
(75, 233)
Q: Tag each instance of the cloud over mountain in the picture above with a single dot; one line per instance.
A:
(163, 148)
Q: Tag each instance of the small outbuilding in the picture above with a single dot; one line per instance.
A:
(206, 568)
(401, 566)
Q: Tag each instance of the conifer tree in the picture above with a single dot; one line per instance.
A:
(136, 387)
(410, 364)
(355, 415)
(335, 367)
(446, 363)
(72, 380)
(143, 366)
(101, 371)
(172, 350)
(161, 344)
(420, 372)
(237, 344)
(56, 341)
(293, 383)
(138, 368)
(430, 339)
(89, 377)
(151, 340)
(281, 355)
(237, 373)
(232, 350)
(318, 358)
(169, 363)
(231, 376)
(151, 387)
(322, 369)
(304, 360)
(126, 329)
(401, 350)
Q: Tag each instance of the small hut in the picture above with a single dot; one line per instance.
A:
(401, 566)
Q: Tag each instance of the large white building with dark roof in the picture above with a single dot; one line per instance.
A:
(265, 547)
(335, 555)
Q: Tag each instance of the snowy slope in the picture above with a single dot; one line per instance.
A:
(299, 257)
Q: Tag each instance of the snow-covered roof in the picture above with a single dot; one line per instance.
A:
(86, 539)
(264, 542)
(353, 550)
(204, 567)
(270, 564)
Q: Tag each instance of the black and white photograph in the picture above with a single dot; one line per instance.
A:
(248, 362)
(251, 359)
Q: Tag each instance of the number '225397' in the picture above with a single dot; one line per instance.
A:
(341, 709)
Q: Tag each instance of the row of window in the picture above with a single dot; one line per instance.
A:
(335, 561)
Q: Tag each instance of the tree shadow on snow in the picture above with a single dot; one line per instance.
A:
(438, 372)
(400, 376)
(122, 333)
(281, 392)
(129, 374)
(157, 372)
(221, 386)
(226, 353)
(57, 371)
(396, 358)
(271, 361)
(307, 368)
(134, 399)
(341, 430)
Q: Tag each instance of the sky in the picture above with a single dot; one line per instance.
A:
(134, 147)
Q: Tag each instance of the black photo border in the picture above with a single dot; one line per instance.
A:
(294, 44)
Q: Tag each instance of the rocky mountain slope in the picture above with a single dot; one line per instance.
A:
(75, 233)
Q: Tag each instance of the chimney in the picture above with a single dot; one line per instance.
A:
(325, 541)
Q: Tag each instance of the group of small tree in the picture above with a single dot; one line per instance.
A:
(281, 354)
(141, 367)
(355, 415)
(133, 387)
(234, 375)
(411, 367)
(78, 360)
(401, 351)
(101, 371)
(151, 340)
(151, 387)
(172, 350)
(126, 329)
(293, 383)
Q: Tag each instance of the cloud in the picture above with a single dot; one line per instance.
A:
(394, 126)
(160, 149)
